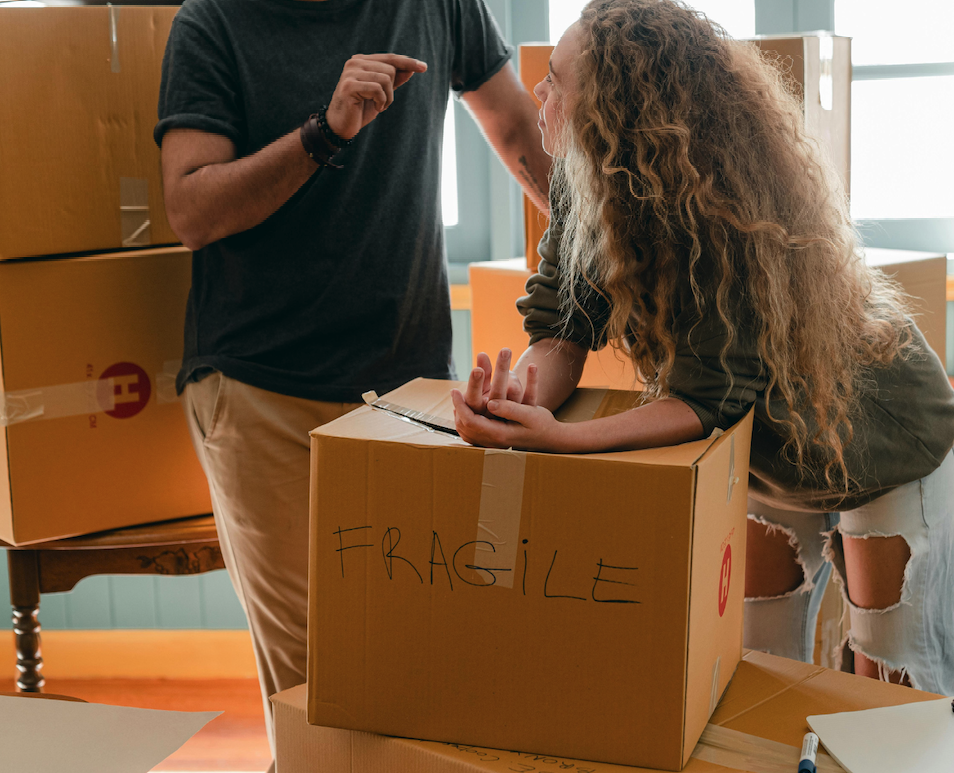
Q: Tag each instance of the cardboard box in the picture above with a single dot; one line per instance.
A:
(819, 68)
(768, 698)
(79, 170)
(93, 436)
(513, 600)
(923, 276)
(495, 323)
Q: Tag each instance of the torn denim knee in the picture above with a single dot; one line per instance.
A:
(887, 636)
(785, 625)
(793, 541)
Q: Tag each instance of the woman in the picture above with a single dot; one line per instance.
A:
(698, 229)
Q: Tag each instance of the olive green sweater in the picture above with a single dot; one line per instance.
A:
(903, 427)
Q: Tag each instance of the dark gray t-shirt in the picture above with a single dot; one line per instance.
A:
(344, 288)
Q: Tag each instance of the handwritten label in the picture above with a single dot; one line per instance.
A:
(449, 567)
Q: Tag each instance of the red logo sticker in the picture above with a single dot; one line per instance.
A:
(131, 390)
(724, 578)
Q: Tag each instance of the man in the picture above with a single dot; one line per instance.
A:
(318, 270)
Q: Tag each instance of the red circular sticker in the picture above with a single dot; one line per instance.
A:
(131, 390)
(724, 577)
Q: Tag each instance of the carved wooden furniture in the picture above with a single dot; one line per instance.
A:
(182, 546)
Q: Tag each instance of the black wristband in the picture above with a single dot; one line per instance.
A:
(316, 144)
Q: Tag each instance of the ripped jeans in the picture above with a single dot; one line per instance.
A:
(914, 636)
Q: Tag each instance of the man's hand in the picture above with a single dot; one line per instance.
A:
(366, 88)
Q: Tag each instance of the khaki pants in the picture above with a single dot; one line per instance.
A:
(254, 448)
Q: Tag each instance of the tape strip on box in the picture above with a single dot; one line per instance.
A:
(55, 402)
(498, 521)
(166, 382)
(421, 419)
(113, 38)
(79, 399)
(134, 217)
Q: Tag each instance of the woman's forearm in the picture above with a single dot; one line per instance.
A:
(559, 369)
(664, 422)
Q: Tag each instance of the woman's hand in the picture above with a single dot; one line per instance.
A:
(516, 425)
(486, 383)
(497, 411)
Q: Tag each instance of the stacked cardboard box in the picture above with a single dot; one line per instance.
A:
(757, 727)
(79, 171)
(583, 606)
(93, 436)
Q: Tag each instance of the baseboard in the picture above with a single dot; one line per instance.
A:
(151, 654)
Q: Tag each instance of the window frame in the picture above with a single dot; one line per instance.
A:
(489, 201)
(787, 16)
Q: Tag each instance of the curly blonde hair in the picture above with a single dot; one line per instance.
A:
(688, 175)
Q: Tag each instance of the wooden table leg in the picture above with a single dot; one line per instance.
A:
(25, 599)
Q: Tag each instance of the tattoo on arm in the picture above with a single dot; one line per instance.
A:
(530, 179)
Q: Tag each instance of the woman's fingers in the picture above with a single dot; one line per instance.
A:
(511, 411)
(476, 429)
(475, 389)
(483, 362)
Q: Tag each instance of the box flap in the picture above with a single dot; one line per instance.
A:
(778, 694)
(433, 397)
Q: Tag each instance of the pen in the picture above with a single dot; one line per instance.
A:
(806, 764)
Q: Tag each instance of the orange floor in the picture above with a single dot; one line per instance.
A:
(235, 741)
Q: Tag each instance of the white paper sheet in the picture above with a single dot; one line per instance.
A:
(913, 738)
(53, 736)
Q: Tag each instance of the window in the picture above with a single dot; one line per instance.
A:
(902, 110)
(885, 32)
(449, 168)
(737, 17)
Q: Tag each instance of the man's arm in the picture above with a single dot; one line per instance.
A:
(508, 117)
(210, 194)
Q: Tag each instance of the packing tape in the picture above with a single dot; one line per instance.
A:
(498, 521)
(113, 37)
(79, 399)
(134, 217)
(166, 382)
(714, 693)
(733, 478)
(741, 751)
(55, 402)
(424, 420)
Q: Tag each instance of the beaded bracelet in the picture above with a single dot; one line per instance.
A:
(333, 138)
